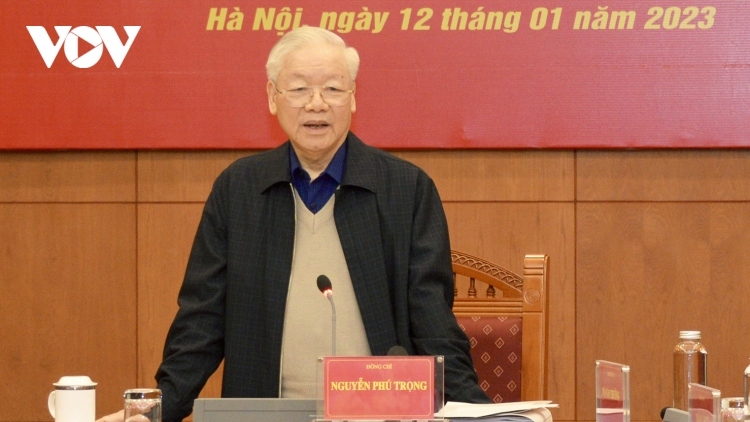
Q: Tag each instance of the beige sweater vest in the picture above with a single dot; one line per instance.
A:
(307, 324)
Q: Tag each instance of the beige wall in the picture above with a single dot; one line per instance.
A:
(642, 244)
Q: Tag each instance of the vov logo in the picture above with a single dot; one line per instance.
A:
(100, 38)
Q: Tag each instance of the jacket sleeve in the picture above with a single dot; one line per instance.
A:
(194, 346)
(434, 330)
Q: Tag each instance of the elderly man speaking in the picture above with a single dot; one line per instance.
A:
(323, 203)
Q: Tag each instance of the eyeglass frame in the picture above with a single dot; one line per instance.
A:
(315, 88)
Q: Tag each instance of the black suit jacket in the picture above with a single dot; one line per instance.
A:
(395, 239)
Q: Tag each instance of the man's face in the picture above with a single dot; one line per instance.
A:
(317, 129)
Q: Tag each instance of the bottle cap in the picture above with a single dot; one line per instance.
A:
(690, 335)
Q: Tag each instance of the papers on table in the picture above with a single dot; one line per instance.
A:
(525, 411)
(608, 411)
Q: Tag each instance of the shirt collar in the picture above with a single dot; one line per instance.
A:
(335, 168)
(277, 165)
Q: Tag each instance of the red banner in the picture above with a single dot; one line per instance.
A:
(124, 74)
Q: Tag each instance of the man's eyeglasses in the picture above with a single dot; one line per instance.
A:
(301, 96)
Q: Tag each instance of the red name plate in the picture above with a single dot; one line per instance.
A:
(379, 387)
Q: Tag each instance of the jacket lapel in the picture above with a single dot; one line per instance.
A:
(358, 225)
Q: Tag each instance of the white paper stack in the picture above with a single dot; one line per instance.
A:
(524, 411)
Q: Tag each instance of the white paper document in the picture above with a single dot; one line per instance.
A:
(528, 411)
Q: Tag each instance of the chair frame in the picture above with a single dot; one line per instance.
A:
(525, 297)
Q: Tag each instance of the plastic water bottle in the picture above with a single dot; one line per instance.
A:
(689, 366)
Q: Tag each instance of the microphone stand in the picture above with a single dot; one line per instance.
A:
(333, 323)
(325, 287)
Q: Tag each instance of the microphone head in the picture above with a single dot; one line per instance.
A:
(324, 285)
(397, 351)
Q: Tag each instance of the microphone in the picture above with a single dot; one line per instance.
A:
(325, 287)
(397, 351)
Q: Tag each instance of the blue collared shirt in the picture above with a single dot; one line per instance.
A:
(316, 194)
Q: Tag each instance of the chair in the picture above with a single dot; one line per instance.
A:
(505, 317)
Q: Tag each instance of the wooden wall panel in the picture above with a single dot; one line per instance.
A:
(68, 303)
(165, 176)
(498, 175)
(669, 175)
(67, 177)
(503, 233)
(165, 236)
(636, 238)
(465, 176)
(648, 270)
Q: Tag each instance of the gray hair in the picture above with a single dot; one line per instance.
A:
(303, 37)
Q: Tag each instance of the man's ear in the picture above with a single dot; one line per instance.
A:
(354, 100)
(271, 89)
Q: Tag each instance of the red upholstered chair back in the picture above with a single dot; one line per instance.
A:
(505, 317)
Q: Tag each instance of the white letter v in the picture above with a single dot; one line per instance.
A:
(44, 42)
(117, 50)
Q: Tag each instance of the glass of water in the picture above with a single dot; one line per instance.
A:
(734, 410)
(142, 405)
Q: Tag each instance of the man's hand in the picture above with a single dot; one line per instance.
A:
(115, 417)
(120, 416)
